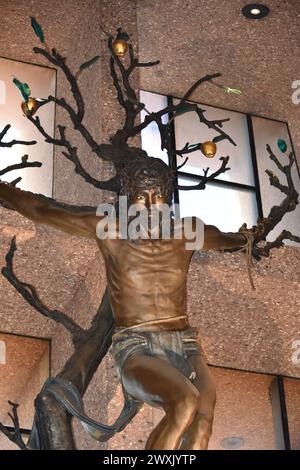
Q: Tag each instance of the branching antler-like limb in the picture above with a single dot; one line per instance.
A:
(14, 436)
(13, 142)
(267, 224)
(29, 293)
(71, 155)
(205, 179)
(177, 110)
(215, 124)
(76, 116)
(182, 164)
(56, 59)
(126, 95)
(277, 243)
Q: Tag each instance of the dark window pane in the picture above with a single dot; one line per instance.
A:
(292, 397)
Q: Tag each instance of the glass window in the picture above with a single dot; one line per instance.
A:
(247, 194)
(150, 136)
(188, 128)
(225, 207)
(42, 82)
(268, 131)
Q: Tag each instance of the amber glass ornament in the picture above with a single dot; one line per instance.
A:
(30, 106)
(120, 47)
(208, 149)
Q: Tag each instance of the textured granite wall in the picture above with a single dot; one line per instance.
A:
(239, 328)
(194, 38)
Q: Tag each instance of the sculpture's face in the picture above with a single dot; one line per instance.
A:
(151, 199)
(147, 197)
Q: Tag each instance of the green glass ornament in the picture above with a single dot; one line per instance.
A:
(184, 108)
(37, 29)
(235, 91)
(227, 89)
(23, 87)
(282, 145)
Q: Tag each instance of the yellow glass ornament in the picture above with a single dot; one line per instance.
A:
(120, 47)
(29, 107)
(208, 149)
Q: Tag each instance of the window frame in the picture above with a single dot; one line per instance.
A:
(172, 157)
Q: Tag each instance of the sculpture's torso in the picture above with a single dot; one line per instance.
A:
(147, 280)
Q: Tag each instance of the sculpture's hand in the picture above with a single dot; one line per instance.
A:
(254, 235)
(258, 231)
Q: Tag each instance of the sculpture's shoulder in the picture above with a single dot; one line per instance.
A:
(191, 229)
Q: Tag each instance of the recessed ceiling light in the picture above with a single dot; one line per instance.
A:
(233, 442)
(255, 11)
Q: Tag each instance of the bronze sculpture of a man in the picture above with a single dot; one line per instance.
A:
(158, 357)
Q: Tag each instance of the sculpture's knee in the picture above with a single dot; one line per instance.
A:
(185, 408)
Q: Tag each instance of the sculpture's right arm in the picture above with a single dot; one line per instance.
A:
(81, 224)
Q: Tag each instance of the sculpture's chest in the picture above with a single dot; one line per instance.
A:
(148, 254)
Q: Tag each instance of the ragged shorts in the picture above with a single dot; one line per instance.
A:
(175, 347)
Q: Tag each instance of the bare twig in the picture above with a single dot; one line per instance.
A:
(14, 436)
(29, 293)
(205, 179)
(277, 243)
(13, 142)
(199, 82)
(18, 166)
(182, 164)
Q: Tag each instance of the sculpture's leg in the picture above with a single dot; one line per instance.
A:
(52, 425)
(158, 383)
(198, 434)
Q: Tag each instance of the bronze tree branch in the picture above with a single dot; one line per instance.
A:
(13, 142)
(14, 436)
(29, 293)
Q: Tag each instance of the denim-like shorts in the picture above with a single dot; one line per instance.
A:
(175, 347)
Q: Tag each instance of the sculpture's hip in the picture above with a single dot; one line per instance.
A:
(172, 346)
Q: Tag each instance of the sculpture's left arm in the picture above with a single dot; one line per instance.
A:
(217, 240)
